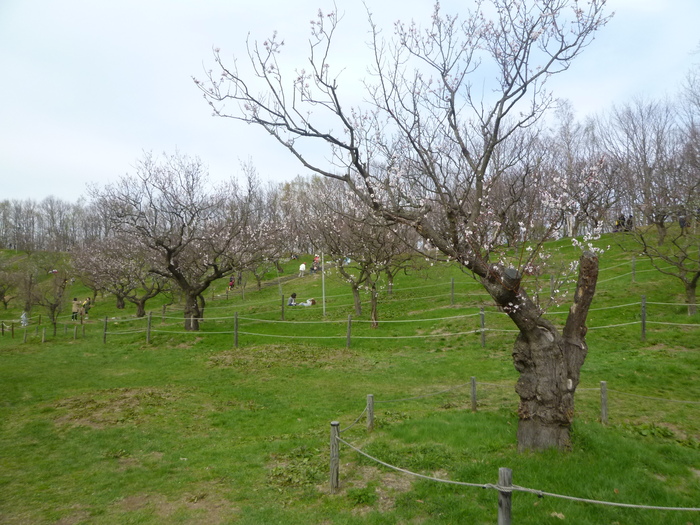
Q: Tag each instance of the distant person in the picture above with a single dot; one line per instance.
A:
(308, 302)
(75, 309)
(231, 283)
(24, 319)
(292, 300)
(620, 223)
(683, 223)
(87, 304)
(302, 269)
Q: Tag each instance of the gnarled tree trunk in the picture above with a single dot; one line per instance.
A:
(549, 362)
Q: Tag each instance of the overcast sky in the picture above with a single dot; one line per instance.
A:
(87, 86)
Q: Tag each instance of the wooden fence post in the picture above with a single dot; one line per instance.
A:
(12, 330)
(473, 396)
(483, 327)
(452, 292)
(104, 332)
(75, 331)
(644, 317)
(604, 402)
(634, 261)
(551, 286)
(43, 335)
(370, 412)
(335, 456)
(283, 307)
(235, 330)
(347, 337)
(505, 481)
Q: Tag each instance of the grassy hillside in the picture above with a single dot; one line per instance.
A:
(189, 428)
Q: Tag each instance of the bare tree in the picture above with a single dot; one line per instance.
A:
(423, 154)
(193, 235)
(121, 266)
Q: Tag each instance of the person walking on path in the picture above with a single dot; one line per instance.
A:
(302, 269)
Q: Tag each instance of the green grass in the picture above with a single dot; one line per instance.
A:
(190, 429)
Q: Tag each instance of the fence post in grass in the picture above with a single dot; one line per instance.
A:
(634, 263)
(347, 337)
(335, 456)
(551, 286)
(65, 329)
(43, 335)
(452, 292)
(282, 306)
(2, 327)
(483, 327)
(644, 317)
(370, 412)
(148, 329)
(604, 402)
(104, 332)
(235, 330)
(505, 481)
(12, 330)
(473, 396)
(83, 331)
(75, 332)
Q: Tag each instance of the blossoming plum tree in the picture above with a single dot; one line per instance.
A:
(190, 235)
(452, 108)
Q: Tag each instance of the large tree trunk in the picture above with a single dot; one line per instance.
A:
(140, 308)
(546, 389)
(549, 362)
(357, 300)
(192, 313)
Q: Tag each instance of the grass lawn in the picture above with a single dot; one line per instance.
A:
(191, 429)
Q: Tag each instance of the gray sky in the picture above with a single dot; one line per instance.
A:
(88, 85)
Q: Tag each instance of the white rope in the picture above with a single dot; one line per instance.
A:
(655, 398)
(541, 493)
(354, 422)
(482, 486)
(516, 488)
(613, 325)
(123, 332)
(668, 304)
(674, 324)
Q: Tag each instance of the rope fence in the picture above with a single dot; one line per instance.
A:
(504, 486)
(232, 325)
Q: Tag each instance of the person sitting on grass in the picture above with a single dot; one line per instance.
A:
(293, 301)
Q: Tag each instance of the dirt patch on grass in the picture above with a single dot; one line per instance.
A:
(201, 506)
(371, 489)
(112, 407)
